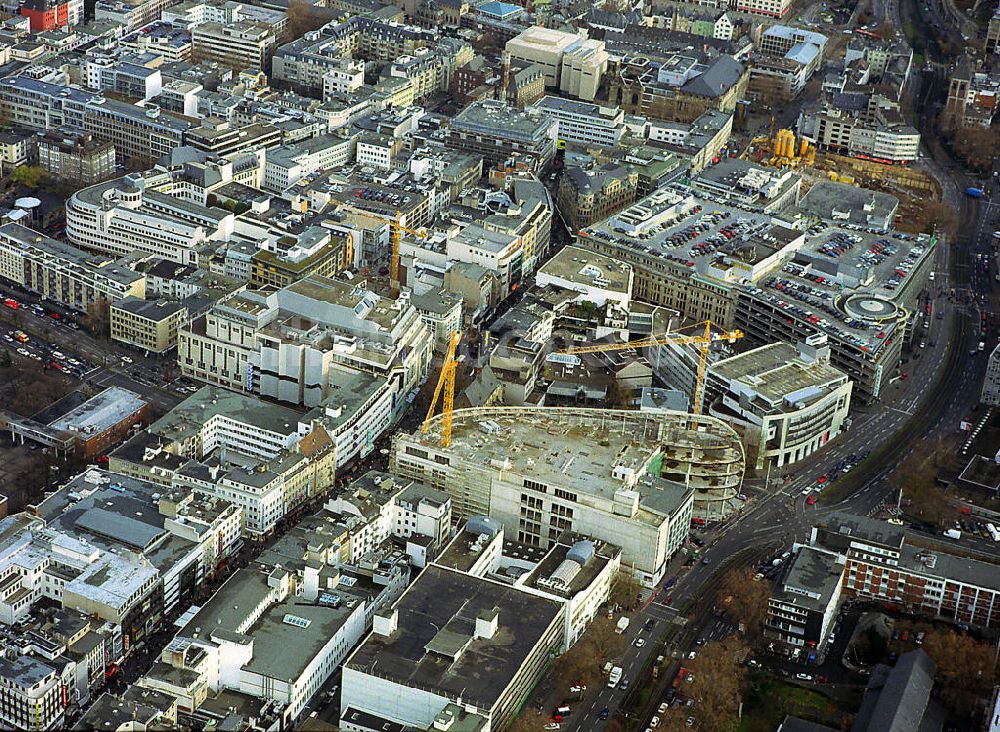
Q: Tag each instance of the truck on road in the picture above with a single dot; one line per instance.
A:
(622, 625)
(975, 192)
(953, 534)
(614, 677)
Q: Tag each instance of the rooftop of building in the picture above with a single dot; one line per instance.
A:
(550, 103)
(113, 270)
(349, 392)
(583, 267)
(548, 38)
(840, 202)
(155, 310)
(281, 628)
(100, 413)
(435, 647)
(111, 712)
(112, 510)
(777, 372)
(328, 301)
(499, 119)
(899, 699)
(590, 179)
(24, 671)
(436, 301)
(188, 418)
(813, 572)
(862, 528)
(571, 565)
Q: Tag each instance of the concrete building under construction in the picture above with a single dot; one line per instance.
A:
(629, 477)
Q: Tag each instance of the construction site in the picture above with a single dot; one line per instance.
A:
(912, 186)
(601, 453)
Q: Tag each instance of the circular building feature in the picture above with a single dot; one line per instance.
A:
(870, 307)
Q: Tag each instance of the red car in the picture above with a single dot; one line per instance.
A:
(811, 500)
(821, 479)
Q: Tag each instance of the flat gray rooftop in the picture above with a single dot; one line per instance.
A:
(190, 416)
(444, 601)
(101, 412)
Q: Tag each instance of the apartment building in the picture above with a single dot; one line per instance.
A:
(148, 325)
(31, 694)
(306, 60)
(588, 194)
(501, 133)
(76, 156)
(802, 610)
(244, 44)
(878, 563)
(131, 14)
(588, 124)
(285, 165)
(317, 251)
(124, 75)
(769, 8)
(378, 506)
(169, 41)
(64, 274)
(46, 15)
(105, 545)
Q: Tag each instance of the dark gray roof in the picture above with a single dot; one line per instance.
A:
(718, 78)
(865, 528)
(441, 598)
(895, 701)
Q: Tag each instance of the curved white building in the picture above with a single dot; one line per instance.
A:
(630, 478)
(137, 213)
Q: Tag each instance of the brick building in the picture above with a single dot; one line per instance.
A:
(880, 565)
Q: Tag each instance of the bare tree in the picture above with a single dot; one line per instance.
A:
(97, 318)
(915, 475)
(719, 682)
(977, 146)
(966, 669)
(626, 590)
(744, 599)
(302, 18)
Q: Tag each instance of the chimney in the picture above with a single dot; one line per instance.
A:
(486, 623)
(385, 622)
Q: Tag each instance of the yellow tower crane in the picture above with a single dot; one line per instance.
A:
(395, 229)
(446, 381)
(704, 340)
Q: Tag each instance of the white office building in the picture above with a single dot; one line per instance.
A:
(583, 122)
